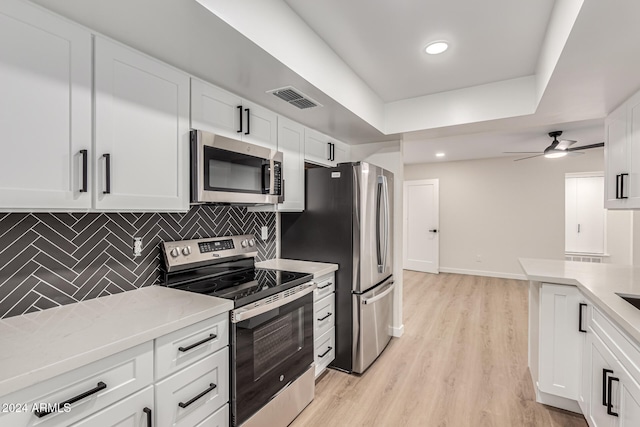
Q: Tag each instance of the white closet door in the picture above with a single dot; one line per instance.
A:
(142, 123)
(590, 214)
(45, 113)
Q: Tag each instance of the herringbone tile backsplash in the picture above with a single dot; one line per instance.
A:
(52, 259)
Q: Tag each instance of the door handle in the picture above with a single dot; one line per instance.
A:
(433, 231)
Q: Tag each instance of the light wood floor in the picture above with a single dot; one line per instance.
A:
(462, 361)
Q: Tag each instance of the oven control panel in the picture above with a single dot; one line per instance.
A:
(183, 254)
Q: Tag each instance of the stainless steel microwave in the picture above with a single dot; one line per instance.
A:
(228, 171)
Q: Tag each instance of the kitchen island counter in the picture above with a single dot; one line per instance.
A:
(39, 346)
(599, 282)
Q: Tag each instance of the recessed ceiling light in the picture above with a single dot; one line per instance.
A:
(439, 154)
(437, 47)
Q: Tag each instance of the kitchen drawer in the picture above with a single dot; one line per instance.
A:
(128, 412)
(178, 349)
(219, 419)
(622, 346)
(326, 286)
(187, 385)
(324, 315)
(123, 374)
(324, 348)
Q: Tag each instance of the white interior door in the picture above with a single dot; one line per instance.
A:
(421, 226)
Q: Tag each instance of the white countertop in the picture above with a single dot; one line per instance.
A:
(38, 346)
(598, 282)
(318, 269)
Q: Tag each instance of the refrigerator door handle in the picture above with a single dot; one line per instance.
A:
(378, 297)
(379, 192)
(386, 223)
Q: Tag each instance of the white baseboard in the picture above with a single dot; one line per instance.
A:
(483, 273)
(397, 331)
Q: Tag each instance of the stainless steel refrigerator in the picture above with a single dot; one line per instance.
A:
(348, 220)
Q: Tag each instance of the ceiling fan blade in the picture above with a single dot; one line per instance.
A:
(563, 144)
(530, 157)
(586, 147)
(521, 152)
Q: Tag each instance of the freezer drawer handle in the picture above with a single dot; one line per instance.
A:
(194, 345)
(183, 405)
(325, 353)
(325, 317)
(100, 386)
(379, 297)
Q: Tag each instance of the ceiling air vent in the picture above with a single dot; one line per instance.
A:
(294, 97)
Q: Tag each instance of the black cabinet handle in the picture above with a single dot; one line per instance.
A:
(325, 286)
(212, 386)
(107, 167)
(580, 318)
(622, 175)
(325, 317)
(333, 151)
(85, 164)
(149, 417)
(246, 110)
(609, 394)
(617, 186)
(604, 385)
(100, 386)
(240, 115)
(325, 353)
(209, 338)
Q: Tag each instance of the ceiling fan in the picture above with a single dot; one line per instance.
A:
(557, 148)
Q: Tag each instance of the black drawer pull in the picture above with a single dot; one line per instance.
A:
(325, 286)
(100, 386)
(209, 338)
(149, 417)
(604, 385)
(239, 107)
(246, 110)
(622, 175)
(325, 317)
(212, 386)
(107, 178)
(580, 318)
(609, 393)
(325, 353)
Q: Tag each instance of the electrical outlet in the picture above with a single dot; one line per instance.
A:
(137, 246)
(265, 233)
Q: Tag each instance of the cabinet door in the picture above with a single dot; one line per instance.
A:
(142, 123)
(316, 148)
(45, 113)
(291, 143)
(584, 393)
(615, 151)
(629, 400)
(560, 341)
(584, 214)
(632, 182)
(129, 412)
(601, 359)
(342, 152)
(215, 110)
(260, 125)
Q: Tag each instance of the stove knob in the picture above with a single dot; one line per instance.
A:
(186, 250)
(252, 242)
(244, 243)
(175, 252)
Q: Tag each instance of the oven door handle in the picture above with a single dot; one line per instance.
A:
(258, 308)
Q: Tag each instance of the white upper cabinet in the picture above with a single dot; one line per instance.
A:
(45, 113)
(223, 113)
(323, 150)
(141, 131)
(622, 156)
(291, 144)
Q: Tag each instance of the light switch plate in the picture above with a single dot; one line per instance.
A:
(137, 246)
(265, 233)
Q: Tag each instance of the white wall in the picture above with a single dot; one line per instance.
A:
(619, 237)
(501, 210)
(388, 155)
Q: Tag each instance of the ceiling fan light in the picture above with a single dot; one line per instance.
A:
(555, 154)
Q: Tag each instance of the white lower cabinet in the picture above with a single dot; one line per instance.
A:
(324, 322)
(133, 411)
(190, 396)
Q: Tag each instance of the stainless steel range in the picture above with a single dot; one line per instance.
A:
(271, 332)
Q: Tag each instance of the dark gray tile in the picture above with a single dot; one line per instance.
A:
(57, 225)
(53, 294)
(15, 291)
(18, 264)
(54, 237)
(55, 252)
(91, 275)
(56, 267)
(90, 250)
(44, 303)
(23, 305)
(55, 280)
(92, 229)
